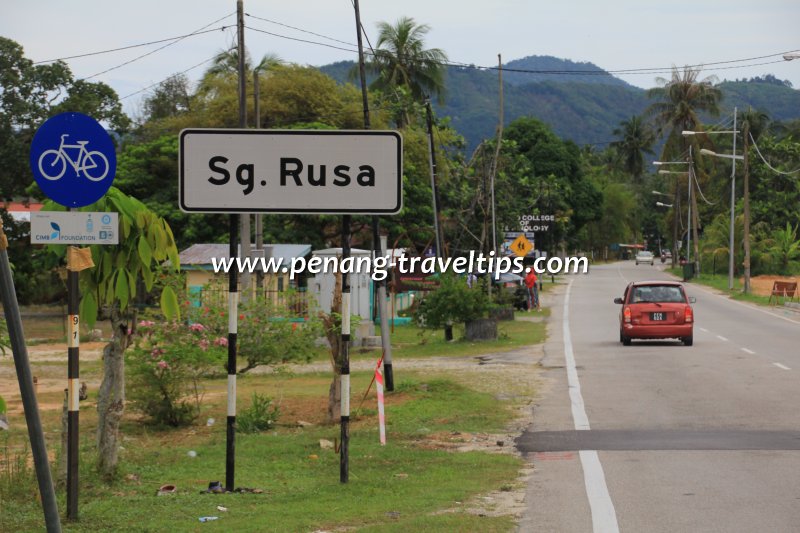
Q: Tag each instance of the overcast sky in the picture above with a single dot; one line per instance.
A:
(613, 34)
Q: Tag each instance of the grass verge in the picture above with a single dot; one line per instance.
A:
(414, 483)
(720, 282)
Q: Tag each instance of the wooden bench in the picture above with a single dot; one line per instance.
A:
(783, 289)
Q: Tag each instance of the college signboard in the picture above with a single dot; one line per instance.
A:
(290, 171)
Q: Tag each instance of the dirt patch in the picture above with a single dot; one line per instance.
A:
(762, 285)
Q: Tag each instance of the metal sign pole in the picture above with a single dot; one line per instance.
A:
(73, 386)
(25, 377)
(344, 455)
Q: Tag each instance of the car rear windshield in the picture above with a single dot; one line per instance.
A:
(645, 253)
(657, 293)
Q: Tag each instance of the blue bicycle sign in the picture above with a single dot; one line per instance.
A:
(73, 159)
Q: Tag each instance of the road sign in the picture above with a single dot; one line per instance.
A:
(74, 227)
(514, 234)
(73, 160)
(521, 246)
(290, 171)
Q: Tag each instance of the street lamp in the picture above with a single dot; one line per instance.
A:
(660, 204)
(676, 215)
(791, 55)
(734, 157)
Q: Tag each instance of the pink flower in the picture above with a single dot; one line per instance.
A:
(197, 327)
(220, 341)
(163, 365)
(146, 323)
(155, 353)
(203, 344)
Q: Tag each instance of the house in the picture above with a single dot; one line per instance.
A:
(197, 262)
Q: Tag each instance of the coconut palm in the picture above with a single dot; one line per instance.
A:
(636, 138)
(401, 61)
(680, 100)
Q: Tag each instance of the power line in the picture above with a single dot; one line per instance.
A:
(768, 165)
(100, 52)
(177, 40)
(175, 75)
(633, 71)
(299, 29)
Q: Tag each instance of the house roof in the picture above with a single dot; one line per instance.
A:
(21, 212)
(199, 255)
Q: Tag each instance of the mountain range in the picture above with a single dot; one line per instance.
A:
(584, 108)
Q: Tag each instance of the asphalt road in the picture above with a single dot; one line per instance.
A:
(658, 436)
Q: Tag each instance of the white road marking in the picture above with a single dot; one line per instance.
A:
(704, 330)
(751, 352)
(604, 517)
(720, 337)
(781, 366)
(747, 306)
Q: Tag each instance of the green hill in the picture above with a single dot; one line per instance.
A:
(582, 108)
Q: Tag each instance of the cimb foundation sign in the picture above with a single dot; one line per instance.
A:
(290, 171)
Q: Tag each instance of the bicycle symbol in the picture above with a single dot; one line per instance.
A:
(94, 164)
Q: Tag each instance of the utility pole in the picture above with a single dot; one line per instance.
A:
(497, 148)
(733, 207)
(746, 236)
(259, 222)
(386, 344)
(434, 191)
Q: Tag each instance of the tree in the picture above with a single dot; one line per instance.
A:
(784, 247)
(680, 100)
(120, 275)
(401, 62)
(29, 94)
(636, 138)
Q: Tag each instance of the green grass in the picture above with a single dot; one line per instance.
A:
(720, 282)
(412, 341)
(404, 485)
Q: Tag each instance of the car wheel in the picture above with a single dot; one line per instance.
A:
(688, 341)
(626, 341)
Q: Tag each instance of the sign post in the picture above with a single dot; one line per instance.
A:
(74, 162)
(299, 172)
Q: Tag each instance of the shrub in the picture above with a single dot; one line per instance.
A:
(166, 366)
(260, 416)
(452, 301)
(269, 331)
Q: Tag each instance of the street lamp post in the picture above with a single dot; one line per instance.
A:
(677, 214)
(733, 195)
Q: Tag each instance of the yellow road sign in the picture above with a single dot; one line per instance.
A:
(521, 246)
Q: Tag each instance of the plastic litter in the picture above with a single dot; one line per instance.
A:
(192, 453)
(210, 422)
(214, 487)
(208, 518)
(166, 490)
(222, 509)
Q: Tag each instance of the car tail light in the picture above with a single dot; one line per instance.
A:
(688, 314)
(626, 313)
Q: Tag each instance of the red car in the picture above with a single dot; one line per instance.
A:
(656, 310)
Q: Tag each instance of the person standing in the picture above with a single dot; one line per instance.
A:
(533, 292)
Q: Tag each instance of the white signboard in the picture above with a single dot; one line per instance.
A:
(74, 227)
(290, 171)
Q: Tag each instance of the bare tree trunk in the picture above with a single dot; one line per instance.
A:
(111, 397)
(333, 333)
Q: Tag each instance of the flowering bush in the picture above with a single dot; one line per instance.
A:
(268, 330)
(166, 366)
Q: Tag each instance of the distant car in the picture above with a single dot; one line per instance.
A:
(644, 257)
(656, 310)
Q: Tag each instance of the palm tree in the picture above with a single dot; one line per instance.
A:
(636, 138)
(401, 61)
(680, 100)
